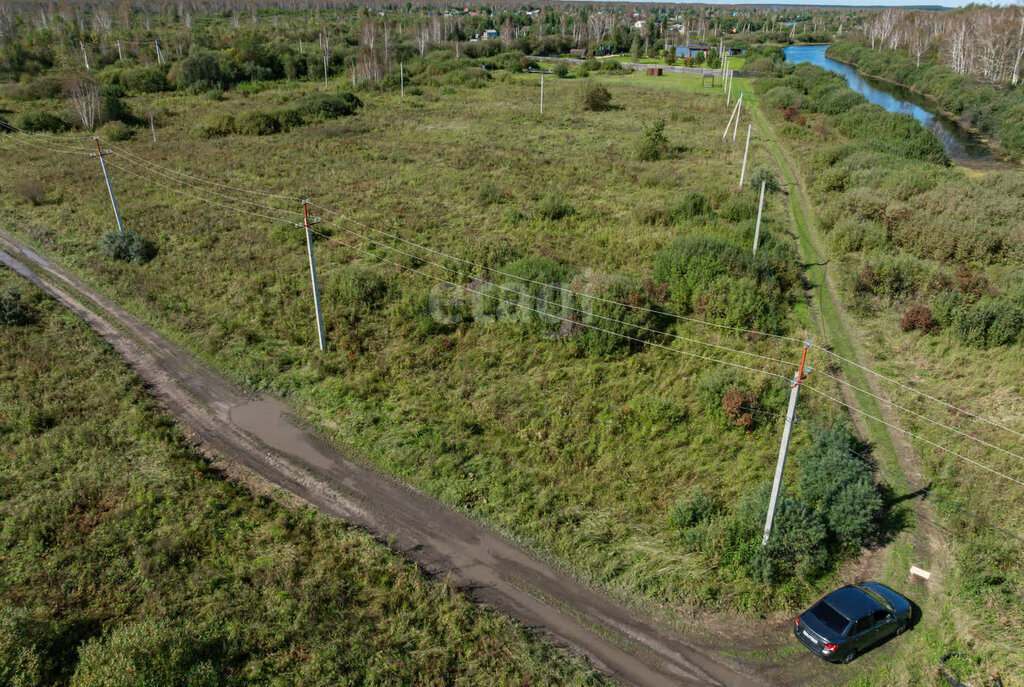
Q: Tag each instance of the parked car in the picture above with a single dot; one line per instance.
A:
(851, 620)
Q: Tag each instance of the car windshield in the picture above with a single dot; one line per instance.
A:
(829, 616)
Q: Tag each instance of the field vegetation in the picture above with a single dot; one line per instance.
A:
(485, 404)
(128, 559)
(928, 263)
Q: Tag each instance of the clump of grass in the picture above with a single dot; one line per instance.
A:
(554, 206)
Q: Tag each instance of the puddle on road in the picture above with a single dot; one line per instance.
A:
(269, 421)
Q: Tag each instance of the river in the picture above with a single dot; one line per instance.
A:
(963, 147)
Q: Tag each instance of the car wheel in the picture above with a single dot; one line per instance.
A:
(901, 628)
(848, 658)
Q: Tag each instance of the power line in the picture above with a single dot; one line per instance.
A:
(915, 391)
(918, 488)
(915, 436)
(512, 276)
(923, 417)
(541, 312)
(578, 310)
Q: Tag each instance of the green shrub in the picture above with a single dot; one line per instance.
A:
(782, 97)
(330, 106)
(532, 285)
(38, 120)
(198, 72)
(851, 235)
(145, 80)
(693, 205)
(116, 131)
(946, 307)
(288, 118)
(127, 246)
(609, 320)
(737, 209)
(113, 109)
(257, 123)
(594, 97)
(796, 546)
(12, 311)
(215, 125)
(561, 70)
(695, 508)
(770, 179)
(840, 487)
(151, 652)
(653, 142)
(554, 206)
(21, 664)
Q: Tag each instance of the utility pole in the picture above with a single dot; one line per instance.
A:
(85, 55)
(746, 149)
(120, 55)
(110, 189)
(159, 53)
(542, 94)
(401, 72)
(794, 392)
(739, 108)
(729, 123)
(757, 228)
(306, 222)
(327, 53)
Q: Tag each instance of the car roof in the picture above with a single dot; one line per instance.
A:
(852, 603)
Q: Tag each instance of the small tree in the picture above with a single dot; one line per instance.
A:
(595, 97)
(12, 312)
(561, 71)
(653, 142)
(84, 95)
(771, 181)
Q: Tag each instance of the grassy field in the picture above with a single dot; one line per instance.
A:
(127, 559)
(581, 456)
(918, 248)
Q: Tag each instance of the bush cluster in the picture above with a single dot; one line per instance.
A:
(835, 510)
(127, 246)
(13, 312)
(594, 97)
(653, 142)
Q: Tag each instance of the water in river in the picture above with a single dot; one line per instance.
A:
(963, 147)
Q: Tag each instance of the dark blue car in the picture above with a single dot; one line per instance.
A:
(851, 620)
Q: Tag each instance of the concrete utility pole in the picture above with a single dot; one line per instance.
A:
(729, 123)
(401, 71)
(120, 55)
(739, 108)
(327, 52)
(306, 222)
(159, 52)
(110, 189)
(794, 392)
(85, 55)
(757, 227)
(542, 94)
(746, 149)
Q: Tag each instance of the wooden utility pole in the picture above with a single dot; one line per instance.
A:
(780, 466)
(110, 189)
(306, 222)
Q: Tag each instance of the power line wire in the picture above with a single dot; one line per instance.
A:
(911, 434)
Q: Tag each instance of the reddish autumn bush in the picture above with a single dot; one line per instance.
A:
(970, 283)
(918, 317)
(792, 114)
(739, 407)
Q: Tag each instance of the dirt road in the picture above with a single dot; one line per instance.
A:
(259, 434)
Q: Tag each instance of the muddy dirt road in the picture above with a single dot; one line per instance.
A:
(259, 434)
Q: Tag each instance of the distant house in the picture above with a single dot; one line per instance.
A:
(693, 49)
(578, 52)
(488, 34)
(639, 24)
